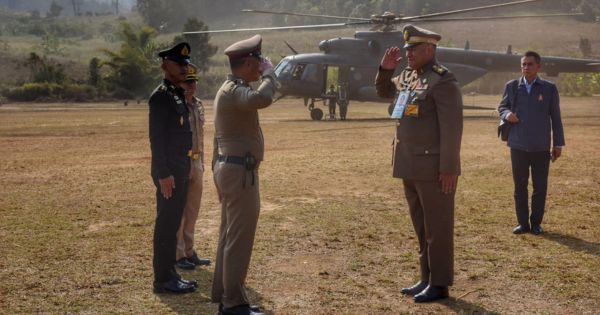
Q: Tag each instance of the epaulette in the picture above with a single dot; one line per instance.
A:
(230, 86)
(161, 88)
(439, 69)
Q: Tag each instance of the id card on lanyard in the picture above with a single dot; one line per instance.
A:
(400, 105)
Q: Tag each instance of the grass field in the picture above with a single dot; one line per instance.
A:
(334, 236)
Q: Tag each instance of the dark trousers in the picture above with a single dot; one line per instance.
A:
(432, 214)
(539, 163)
(168, 218)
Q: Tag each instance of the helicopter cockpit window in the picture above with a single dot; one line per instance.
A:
(298, 70)
(283, 67)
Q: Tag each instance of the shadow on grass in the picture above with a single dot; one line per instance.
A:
(464, 307)
(199, 302)
(574, 243)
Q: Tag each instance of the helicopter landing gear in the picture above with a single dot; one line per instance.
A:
(316, 114)
(391, 109)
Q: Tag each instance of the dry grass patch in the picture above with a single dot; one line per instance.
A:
(334, 235)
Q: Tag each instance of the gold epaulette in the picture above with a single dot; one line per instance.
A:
(439, 69)
(230, 86)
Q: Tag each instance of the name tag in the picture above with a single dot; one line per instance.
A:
(400, 105)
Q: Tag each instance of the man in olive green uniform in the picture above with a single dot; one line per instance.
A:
(426, 152)
(187, 258)
(238, 151)
(170, 143)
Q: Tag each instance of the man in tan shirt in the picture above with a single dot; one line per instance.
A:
(186, 255)
(238, 151)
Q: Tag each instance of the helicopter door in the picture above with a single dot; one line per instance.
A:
(331, 77)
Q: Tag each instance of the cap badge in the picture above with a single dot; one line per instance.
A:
(185, 51)
(406, 35)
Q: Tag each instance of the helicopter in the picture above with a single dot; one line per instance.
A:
(351, 63)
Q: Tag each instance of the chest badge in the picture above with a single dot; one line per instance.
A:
(181, 120)
(540, 98)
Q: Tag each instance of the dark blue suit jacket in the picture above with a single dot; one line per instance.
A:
(540, 126)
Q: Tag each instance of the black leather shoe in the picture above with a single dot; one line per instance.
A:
(253, 308)
(173, 286)
(432, 293)
(415, 289)
(198, 261)
(520, 229)
(184, 263)
(537, 230)
(239, 310)
(193, 283)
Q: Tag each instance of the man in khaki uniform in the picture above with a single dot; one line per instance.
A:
(238, 151)
(426, 152)
(186, 255)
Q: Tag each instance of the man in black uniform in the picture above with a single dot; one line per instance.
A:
(170, 142)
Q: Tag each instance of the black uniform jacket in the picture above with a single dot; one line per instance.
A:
(170, 133)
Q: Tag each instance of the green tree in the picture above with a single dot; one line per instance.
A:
(94, 72)
(202, 50)
(55, 9)
(133, 68)
(43, 70)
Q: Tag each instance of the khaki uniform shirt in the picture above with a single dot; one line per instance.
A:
(428, 136)
(197, 119)
(237, 128)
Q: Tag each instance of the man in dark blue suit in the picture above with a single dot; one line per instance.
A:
(531, 105)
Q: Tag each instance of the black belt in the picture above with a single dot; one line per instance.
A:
(231, 159)
(248, 162)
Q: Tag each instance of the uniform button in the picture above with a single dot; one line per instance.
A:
(426, 151)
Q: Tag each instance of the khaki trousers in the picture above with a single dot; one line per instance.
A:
(240, 208)
(185, 234)
(432, 214)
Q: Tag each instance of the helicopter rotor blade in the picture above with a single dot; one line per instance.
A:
(501, 17)
(290, 47)
(431, 15)
(316, 26)
(306, 15)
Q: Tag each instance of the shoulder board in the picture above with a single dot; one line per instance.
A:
(230, 86)
(439, 69)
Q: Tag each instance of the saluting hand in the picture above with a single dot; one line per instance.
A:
(391, 59)
(265, 64)
(167, 185)
(449, 182)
